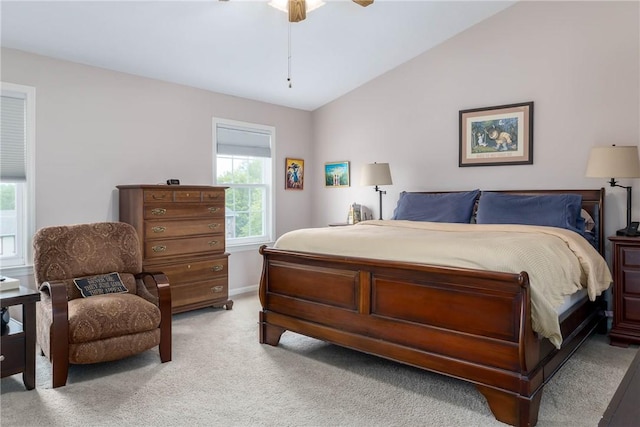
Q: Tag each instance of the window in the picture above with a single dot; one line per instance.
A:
(244, 163)
(17, 165)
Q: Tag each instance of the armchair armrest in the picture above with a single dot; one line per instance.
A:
(153, 287)
(158, 284)
(55, 293)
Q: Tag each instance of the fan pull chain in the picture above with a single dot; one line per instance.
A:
(289, 59)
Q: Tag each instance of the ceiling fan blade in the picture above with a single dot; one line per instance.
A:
(297, 10)
(363, 3)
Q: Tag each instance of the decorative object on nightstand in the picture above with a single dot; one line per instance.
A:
(8, 283)
(626, 291)
(182, 233)
(616, 162)
(358, 213)
(376, 174)
(18, 341)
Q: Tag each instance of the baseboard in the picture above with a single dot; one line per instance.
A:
(243, 290)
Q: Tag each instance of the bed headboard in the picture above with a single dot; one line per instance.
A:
(592, 202)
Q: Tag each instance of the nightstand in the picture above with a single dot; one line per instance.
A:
(18, 343)
(626, 291)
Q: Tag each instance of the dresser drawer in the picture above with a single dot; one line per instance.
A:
(631, 281)
(199, 292)
(183, 210)
(12, 349)
(164, 229)
(631, 310)
(630, 256)
(172, 196)
(213, 196)
(158, 196)
(193, 271)
(193, 245)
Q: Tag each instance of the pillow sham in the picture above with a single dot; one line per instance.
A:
(553, 210)
(436, 207)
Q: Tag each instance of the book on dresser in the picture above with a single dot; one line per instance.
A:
(182, 233)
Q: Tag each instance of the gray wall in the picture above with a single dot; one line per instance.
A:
(577, 61)
(96, 129)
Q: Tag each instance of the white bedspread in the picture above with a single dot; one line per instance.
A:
(559, 262)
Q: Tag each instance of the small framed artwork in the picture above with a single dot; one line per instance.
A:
(336, 174)
(494, 136)
(294, 174)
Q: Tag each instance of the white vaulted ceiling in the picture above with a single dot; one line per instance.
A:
(240, 47)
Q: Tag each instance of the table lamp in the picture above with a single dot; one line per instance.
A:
(615, 161)
(376, 174)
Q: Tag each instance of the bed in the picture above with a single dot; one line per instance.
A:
(475, 324)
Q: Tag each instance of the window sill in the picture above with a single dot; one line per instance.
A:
(247, 247)
(19, 270)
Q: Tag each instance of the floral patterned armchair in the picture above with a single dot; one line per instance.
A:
(72, 329)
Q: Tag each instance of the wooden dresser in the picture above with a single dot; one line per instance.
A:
(626, 291)
(182, 233)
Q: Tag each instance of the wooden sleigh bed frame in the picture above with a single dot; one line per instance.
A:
(475, 325)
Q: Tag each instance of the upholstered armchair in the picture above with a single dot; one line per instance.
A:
(77, 329)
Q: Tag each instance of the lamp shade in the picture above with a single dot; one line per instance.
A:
(614, 161)
(376, 174)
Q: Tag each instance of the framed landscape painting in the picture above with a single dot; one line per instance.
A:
(493, 136)
(294, 174)
(336, 174)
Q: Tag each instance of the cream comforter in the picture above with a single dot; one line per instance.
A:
(559, 262)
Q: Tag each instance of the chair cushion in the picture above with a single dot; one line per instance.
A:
(113, 348)
(106, 316)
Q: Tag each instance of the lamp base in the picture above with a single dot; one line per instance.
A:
(631, 231)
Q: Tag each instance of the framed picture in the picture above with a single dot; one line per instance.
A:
(494, 136)
(294, 174)
(336, 174)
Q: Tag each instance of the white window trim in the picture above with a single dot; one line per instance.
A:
(30, 223)
(271, 203)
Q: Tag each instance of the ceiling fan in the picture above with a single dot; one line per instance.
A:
(297, 9)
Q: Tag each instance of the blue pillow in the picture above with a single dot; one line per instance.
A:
(553, 210)
(440, 207)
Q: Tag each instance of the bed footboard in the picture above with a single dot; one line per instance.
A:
(469, 324)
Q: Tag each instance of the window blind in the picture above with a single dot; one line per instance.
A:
(243, 142)
(13, 138)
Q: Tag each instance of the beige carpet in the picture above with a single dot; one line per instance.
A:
(221, 376)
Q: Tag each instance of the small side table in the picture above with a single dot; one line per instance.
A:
(18, 343)
(626, 291)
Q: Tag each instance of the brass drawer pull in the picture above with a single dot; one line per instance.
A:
(217, 267)
(159, 248)
(158, 229)
(213, 210)
(213, 196)
(214, 225)
(213, 243)
(158, 211)
(156, 197)
(217, 289)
